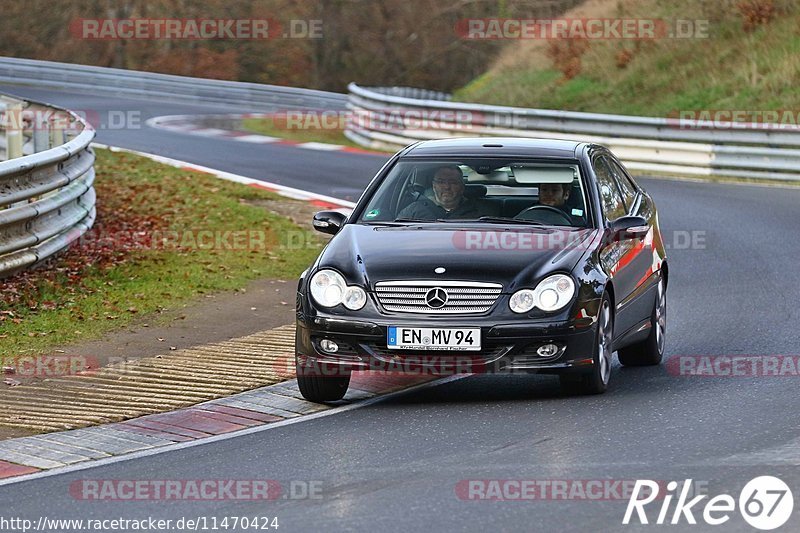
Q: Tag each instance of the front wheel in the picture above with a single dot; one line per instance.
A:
(318, 383)
(596, 380)
(651, 350)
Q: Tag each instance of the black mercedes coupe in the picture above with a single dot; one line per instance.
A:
(486, 255)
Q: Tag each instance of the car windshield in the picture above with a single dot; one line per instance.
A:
(483, 190)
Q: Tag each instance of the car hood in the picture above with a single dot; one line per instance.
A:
(511, 255)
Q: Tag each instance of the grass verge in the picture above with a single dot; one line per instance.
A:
(733, 68)
(162, 237)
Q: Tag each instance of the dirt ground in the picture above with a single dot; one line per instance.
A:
(264, 304)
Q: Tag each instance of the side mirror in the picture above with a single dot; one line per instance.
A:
(329, 222)
(629, 227)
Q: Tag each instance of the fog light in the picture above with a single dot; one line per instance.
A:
(328, 346)
(547, 350)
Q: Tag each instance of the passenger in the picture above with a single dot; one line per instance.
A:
(448, 198)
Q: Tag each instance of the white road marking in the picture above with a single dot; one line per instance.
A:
(259, 139)
(320, 146)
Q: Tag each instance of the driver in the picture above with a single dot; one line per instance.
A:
(448, 198)
(555, 195)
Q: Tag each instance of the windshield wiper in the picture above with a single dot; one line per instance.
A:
(493, 220)
(382, 223)
(503, 220)
(411, 220)
(399, 223)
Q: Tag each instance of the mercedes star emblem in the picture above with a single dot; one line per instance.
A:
(436, 298)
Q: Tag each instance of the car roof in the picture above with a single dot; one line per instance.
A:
(496, 147)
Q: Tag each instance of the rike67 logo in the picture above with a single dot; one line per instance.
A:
(765, 503)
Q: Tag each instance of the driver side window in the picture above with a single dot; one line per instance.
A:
(625, 186)
(610, 196)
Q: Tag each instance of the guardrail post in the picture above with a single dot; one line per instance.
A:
(13, 127)
(56, 132)
(41, 130)
(41, 137)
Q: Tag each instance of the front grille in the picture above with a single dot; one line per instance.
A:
(463, 297)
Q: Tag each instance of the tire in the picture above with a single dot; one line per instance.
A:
(651, 350)
(596, 380)
(316, 386)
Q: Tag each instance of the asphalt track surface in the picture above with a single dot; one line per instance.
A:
(398, 464)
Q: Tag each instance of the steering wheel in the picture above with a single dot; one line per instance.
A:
(545, 214)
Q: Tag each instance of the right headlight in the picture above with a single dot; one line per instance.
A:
(329, 289)
(551, 294)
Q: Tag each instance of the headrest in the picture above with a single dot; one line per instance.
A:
(474, 191)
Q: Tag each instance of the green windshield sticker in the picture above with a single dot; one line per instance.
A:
(577, 212)
(373, 213)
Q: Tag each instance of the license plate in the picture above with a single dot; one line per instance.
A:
(433, 338)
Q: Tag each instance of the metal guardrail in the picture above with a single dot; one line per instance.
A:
(412, 92)
(390, 118)
(137, 84)
(47, 198)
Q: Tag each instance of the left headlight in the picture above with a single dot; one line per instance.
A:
(354, 298)
(329, 289)
(551, 294)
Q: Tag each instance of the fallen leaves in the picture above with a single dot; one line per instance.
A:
(120, 231)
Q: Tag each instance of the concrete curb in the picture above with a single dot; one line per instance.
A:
(255, 408)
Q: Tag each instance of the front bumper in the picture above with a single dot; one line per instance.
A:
(505, 347)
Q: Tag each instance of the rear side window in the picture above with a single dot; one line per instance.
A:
(626, 187)
(610, 196)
